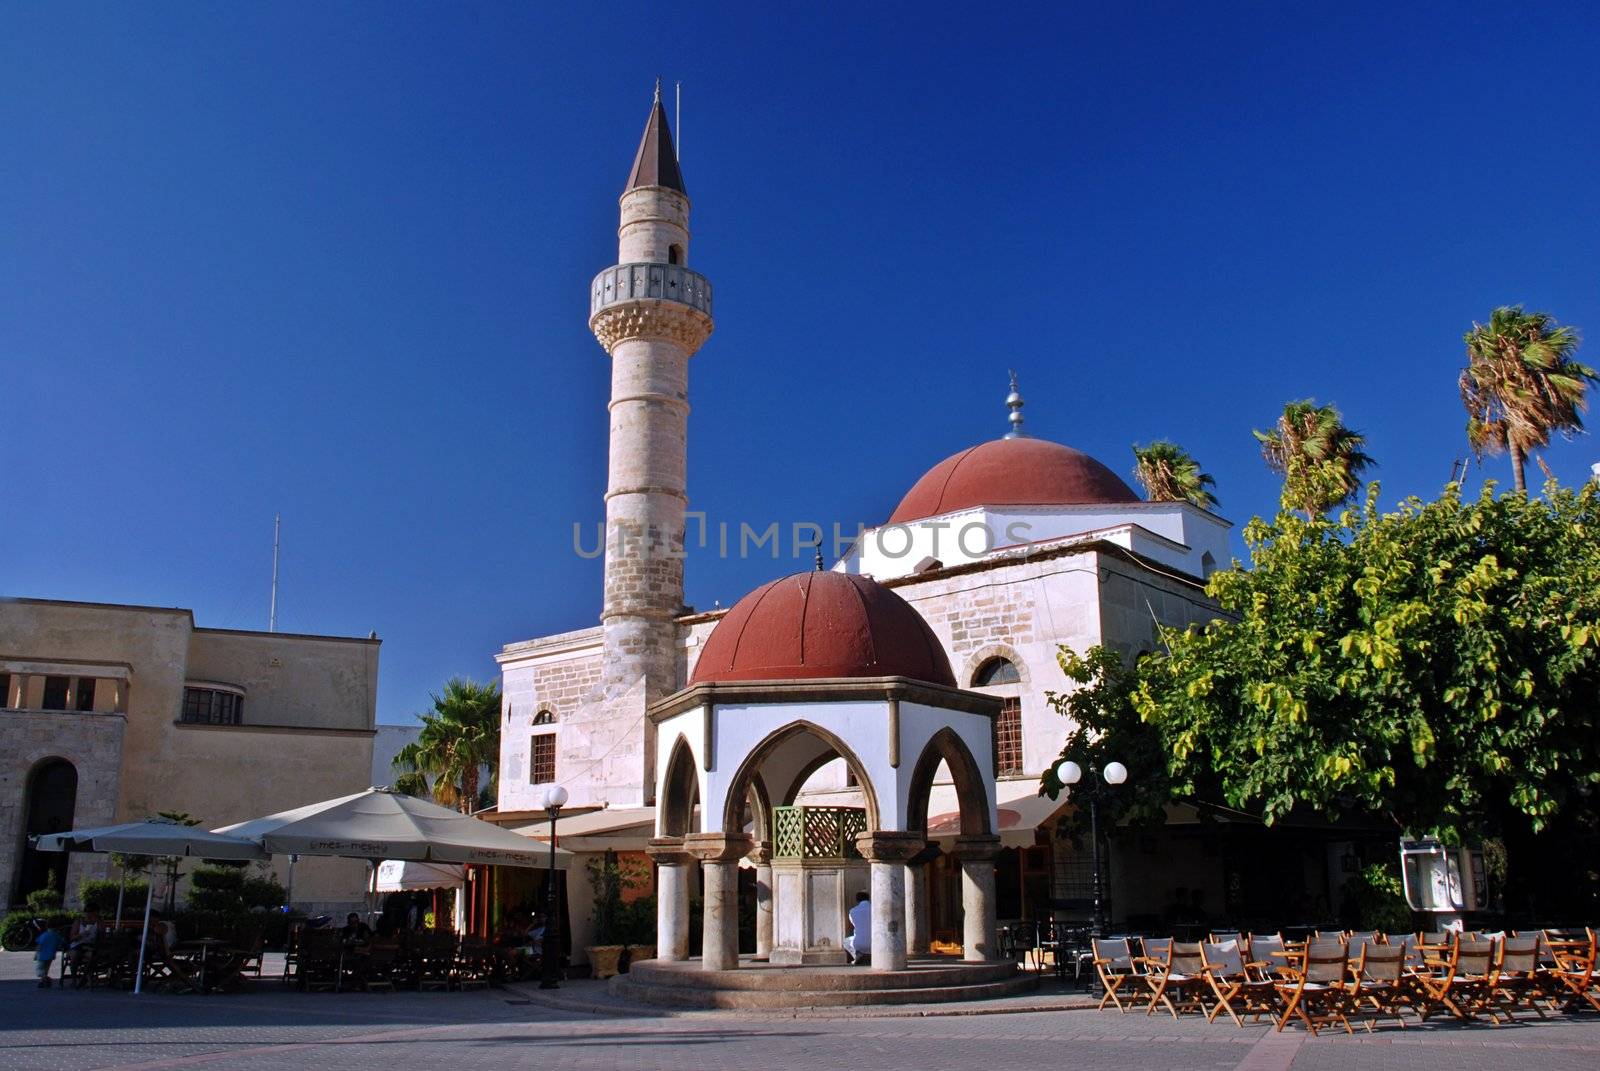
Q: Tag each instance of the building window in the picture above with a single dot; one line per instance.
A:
(544, 717)
(5, 689)
(55, 693)
(1008, 738)
(996, 671)
(212, 706)
(84, 699)
(674, 254)
(542, 759)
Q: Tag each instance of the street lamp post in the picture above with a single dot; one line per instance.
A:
(555, 797)
(1114, 773)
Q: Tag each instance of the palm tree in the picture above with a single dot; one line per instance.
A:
(1170, 474)
(1320, 458)
(1521, 383)
(460, 735)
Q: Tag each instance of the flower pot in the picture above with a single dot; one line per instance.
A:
(639, 952)
(604, 960)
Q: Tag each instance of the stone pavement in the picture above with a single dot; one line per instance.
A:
(268, 1028)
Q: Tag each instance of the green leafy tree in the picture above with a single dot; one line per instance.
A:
(1521, 384)
(459, 737)
(1438, 665)
(1104, 727)
(1169, 473)
(1320, 459)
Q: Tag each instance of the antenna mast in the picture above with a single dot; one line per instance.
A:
(677, 120)
(272, 614)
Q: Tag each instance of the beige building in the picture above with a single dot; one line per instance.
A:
(114, 713)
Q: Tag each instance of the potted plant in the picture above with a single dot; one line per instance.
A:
(640, 929)
(605, 955)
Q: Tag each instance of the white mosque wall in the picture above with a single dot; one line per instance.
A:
(1177, 535)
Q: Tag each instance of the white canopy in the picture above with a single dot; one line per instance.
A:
(410, 875)
(153, 836)
(381, 824)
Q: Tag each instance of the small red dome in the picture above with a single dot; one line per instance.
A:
(1012, 472)
(819, 624)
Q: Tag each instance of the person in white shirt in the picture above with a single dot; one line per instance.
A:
(859, 942)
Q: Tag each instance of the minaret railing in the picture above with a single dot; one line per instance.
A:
(649, 281)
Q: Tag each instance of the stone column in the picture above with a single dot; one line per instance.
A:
(979, 937)
(672, 897)
(919, 928)
(719, 855)
(762, 857)
(888, 851)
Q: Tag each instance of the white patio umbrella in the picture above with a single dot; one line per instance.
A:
(161, 837)
(410, 875)
(381, 824)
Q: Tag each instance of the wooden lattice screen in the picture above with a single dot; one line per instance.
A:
(817, 832)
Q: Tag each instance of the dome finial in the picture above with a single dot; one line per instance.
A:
(819, 557)
(658, 89)
(1014, 403)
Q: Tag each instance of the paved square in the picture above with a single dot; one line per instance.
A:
(267, 1028)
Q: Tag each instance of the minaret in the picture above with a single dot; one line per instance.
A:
(651, 313)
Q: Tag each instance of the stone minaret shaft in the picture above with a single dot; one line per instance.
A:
(651, 313)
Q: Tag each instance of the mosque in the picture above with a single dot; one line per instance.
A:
(898, 698)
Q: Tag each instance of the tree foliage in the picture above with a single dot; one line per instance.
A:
(459, 736)
(1169, 473)
(1104, 727)
(1321, 460)
(1521, 384)
(1439, 664)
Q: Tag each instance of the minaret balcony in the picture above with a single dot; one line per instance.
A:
(622, 283)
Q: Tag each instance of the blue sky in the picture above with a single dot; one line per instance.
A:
(332, 261)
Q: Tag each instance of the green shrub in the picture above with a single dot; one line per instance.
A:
(100, 894)
(42, 900)
(17, 932)
(1378, 900)
(230, 890)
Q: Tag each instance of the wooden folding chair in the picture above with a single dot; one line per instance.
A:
(1320, 993)
(1575, 973)
(1267, 949)
(1381, 983)
(1520, 983)
(1113, 964)
(1182, 977)
(1234, 981)
(1463, 984)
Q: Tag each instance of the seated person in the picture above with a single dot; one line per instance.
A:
(81, 939)
(163, 934)
(354, 930)
(859, 941)
(536, 931)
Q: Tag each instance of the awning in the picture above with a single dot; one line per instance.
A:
(619, 829)
(1020, 811)
(412, 875)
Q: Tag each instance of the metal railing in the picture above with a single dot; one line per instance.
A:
(635, 282)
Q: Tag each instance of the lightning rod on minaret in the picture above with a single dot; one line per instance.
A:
(677, 120)
(272, 613)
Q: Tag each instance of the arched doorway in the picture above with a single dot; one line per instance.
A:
(934, 882)
(52, 800)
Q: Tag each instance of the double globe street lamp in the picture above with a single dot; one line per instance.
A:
(1114, 773)
(555, 797)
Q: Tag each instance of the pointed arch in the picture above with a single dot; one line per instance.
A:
(972, 791)
(680, 791)
(749, 771)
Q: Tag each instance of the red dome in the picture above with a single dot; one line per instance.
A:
(1012, 472)
(822, 625)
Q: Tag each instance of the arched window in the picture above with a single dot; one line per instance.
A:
(1008, 726)
(996, 671)
(1208, 564)
(674, 254)
(545, 717)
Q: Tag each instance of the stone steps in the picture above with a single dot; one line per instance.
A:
(685, 985)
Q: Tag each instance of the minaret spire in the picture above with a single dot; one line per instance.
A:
(656, 163)
(1014, 403)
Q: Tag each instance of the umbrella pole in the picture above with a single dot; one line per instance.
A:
(122, 887)
(144, 938)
